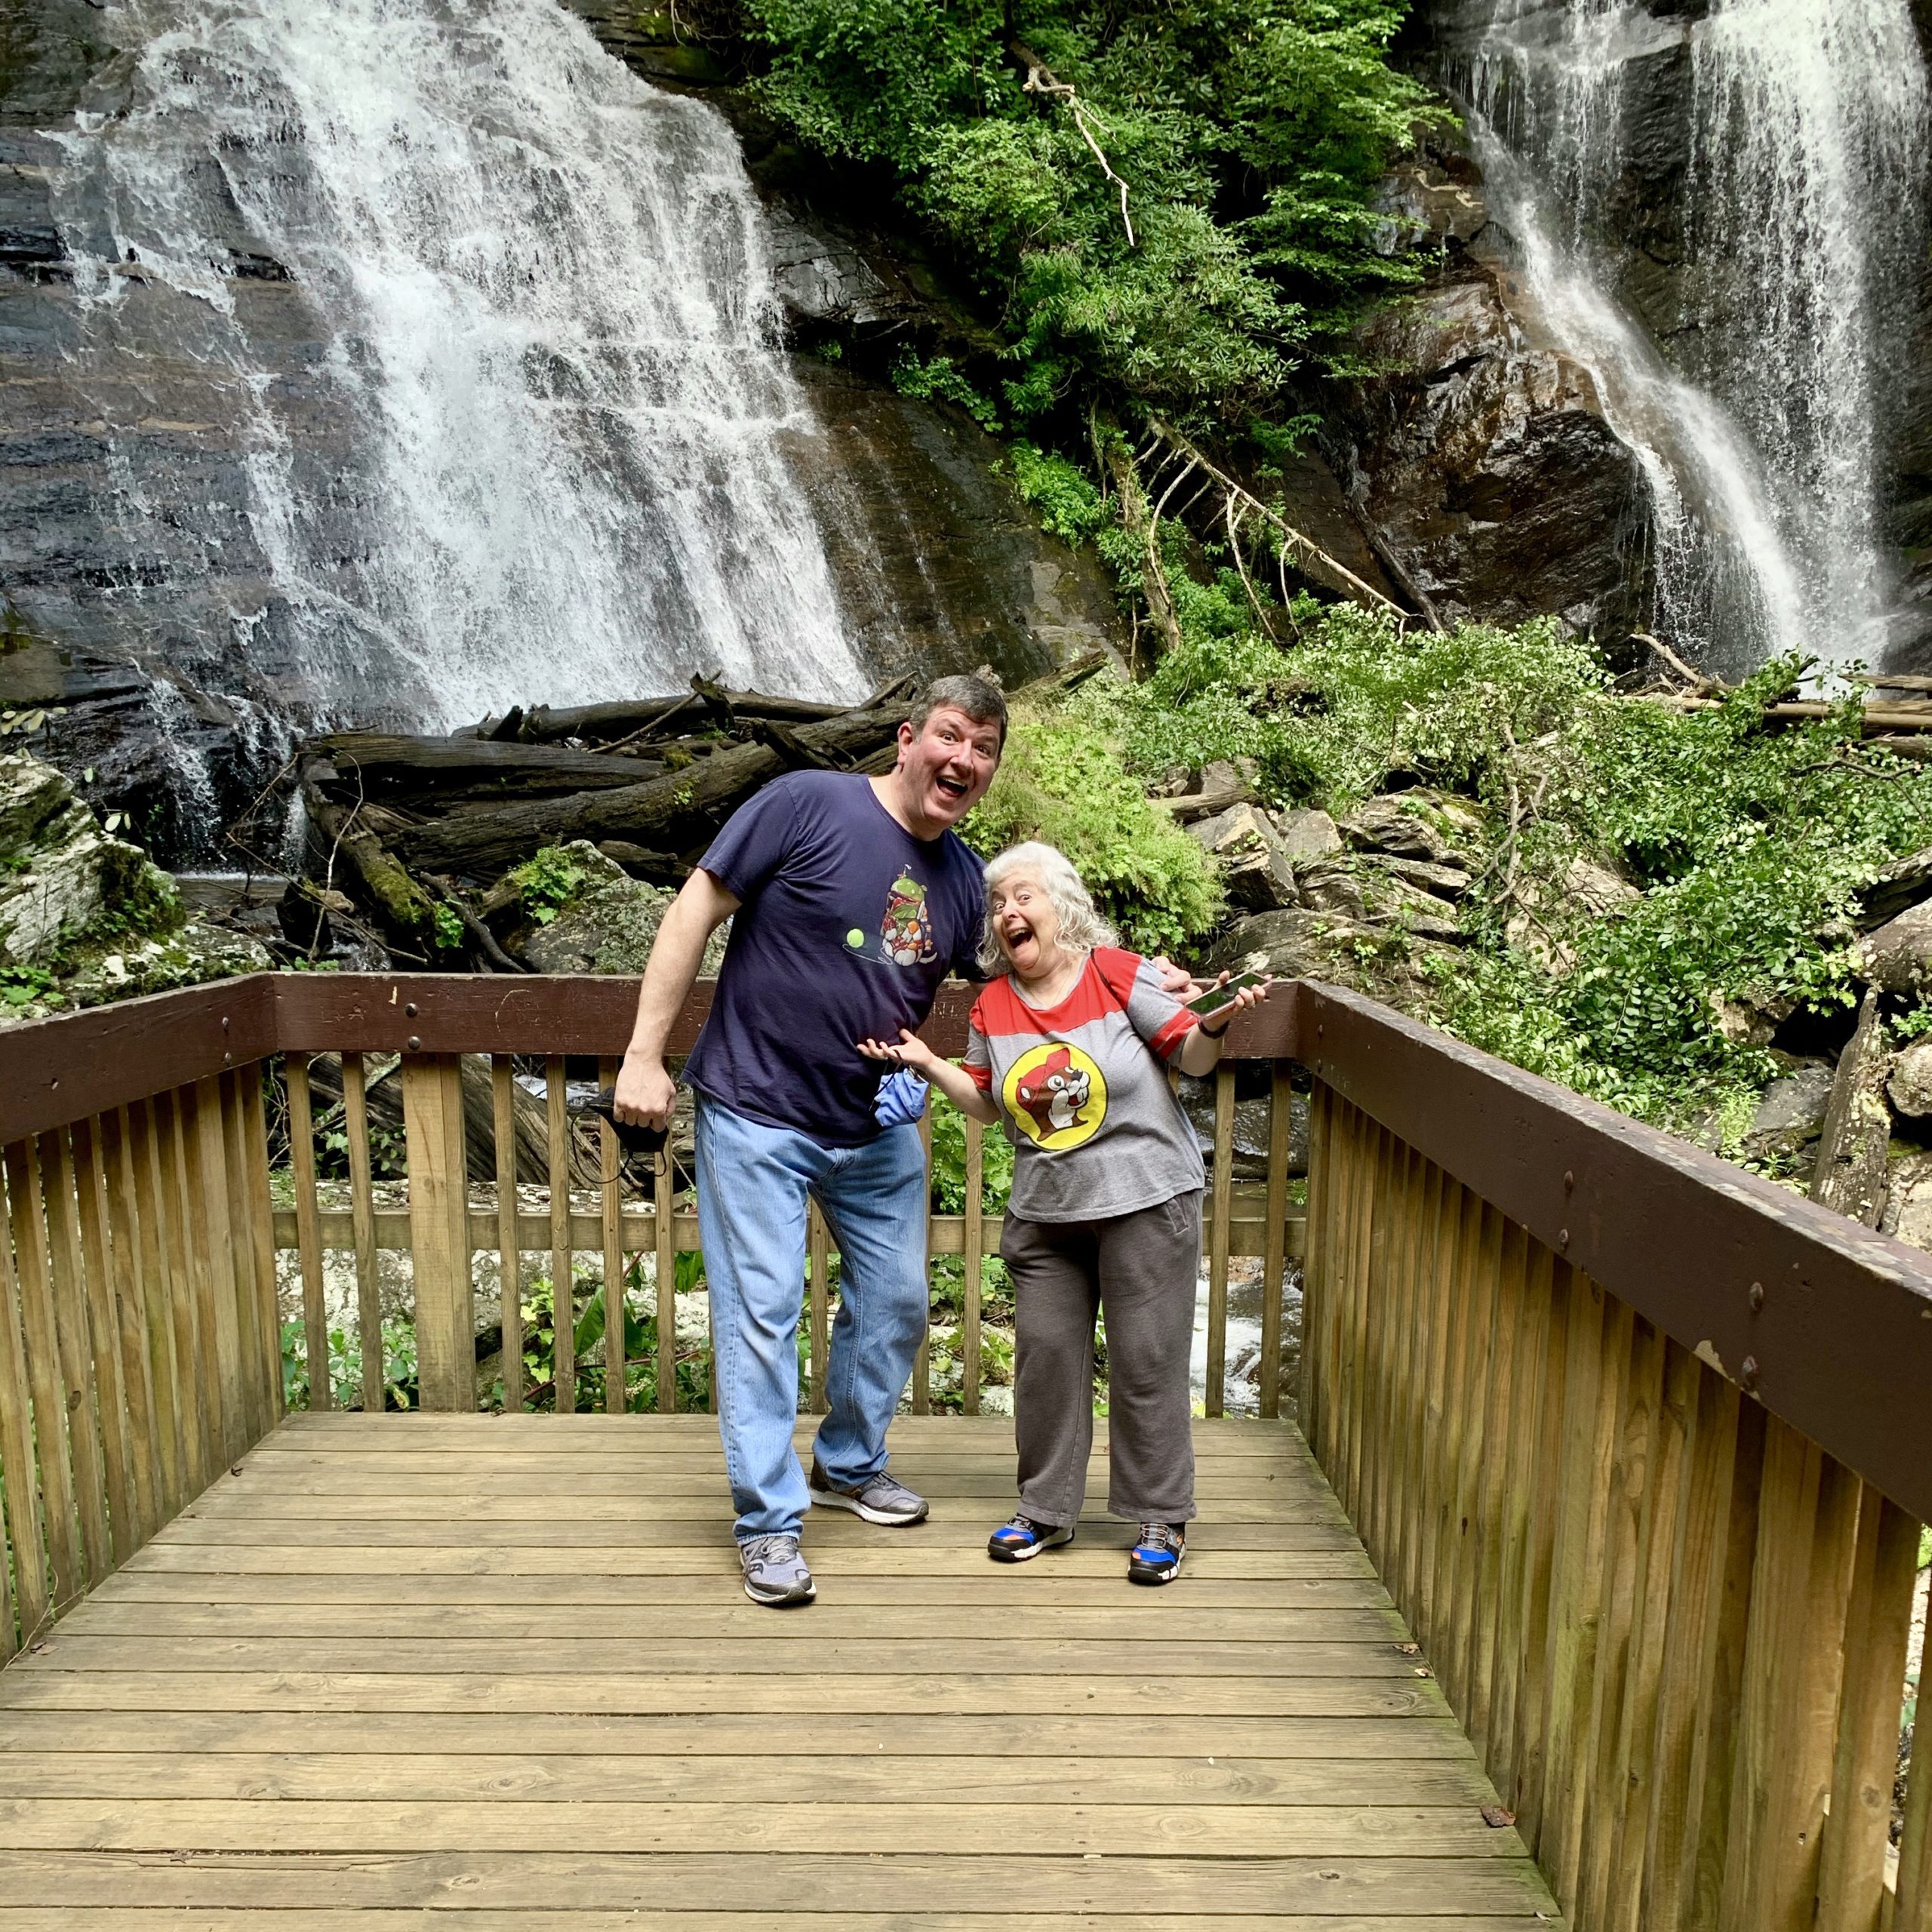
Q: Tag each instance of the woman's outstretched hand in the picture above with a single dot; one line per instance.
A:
(909, 1050)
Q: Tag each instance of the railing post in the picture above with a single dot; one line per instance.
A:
(439, 1231)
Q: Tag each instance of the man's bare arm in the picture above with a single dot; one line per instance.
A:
(646, 1092)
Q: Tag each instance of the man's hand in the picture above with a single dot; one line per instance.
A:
(645, 1092)
(1178, 980)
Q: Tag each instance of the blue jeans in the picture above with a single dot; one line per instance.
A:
(753, 1182)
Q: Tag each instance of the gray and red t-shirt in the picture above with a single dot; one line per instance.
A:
(1082, 1088)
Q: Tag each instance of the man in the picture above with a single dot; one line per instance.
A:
(854, 899)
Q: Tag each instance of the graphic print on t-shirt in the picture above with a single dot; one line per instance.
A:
(905, 936)
(1056, 1095)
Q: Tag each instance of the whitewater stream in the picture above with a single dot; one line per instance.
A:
(542, 344)
(1759, 425)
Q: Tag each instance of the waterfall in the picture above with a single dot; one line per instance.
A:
(1759, 418)
(534, 445)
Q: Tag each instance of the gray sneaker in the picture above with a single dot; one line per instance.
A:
(879, 1499)
(775, 1573)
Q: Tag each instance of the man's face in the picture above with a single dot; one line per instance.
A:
(946, 767)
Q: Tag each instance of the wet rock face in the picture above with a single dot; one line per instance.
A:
(1483, 458)
(59, 872)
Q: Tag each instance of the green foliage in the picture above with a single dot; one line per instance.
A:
(1071, 507)
(1251, 142)
(27, 985)
(1063, 780)
(449, 932)
(546, 882)
(399, 1372)
(940, 379)
(540, 1345)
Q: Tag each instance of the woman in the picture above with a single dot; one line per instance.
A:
(1070, 1045)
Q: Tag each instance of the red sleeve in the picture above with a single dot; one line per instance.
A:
(981, 1077)
(1117, 968)
(1167, 1041)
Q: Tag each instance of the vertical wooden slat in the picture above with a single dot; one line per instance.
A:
(173, 1332)
(1456, 1659)
(1505, 1262)
(1877, 1632)
(922, 1360)
(25, 1524)
(1222, 1207)
(1327, 1189)
(509, 1257)
(563, 1294)
(612, 1174)
(1399, 1434)
(70, 1328)
(132, 1252)
(261, 1221)
(1793, 1668)
(1531, 1296)
(1662, 1489)
(1437, 1484)
(1274, 1240)
(231, 1135)
(973, 1238)
(362, 1222)
(818, 1254)
(1425, 1312)
(1915, 1874)
(1371, 1237)
(1540, 1557)
(1463, 1208)
(439, 1231)
(199, 1109)
(125, 1531)
(1371, 1317)
(665, 1204)
(1638, 1357)
(43, 1362)
(308, 1231)
(1589, 1444)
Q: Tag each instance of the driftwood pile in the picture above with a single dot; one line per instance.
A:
(408, 833)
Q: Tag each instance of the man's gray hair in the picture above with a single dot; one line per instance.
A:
(1081, 927)
(979, 698)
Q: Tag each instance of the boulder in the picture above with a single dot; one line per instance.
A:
(1434, 826)
(195, 953)
(1448, 882)
(608, 922)
(1254, 864)
(1897, 958)
(1307, 835)
(1854, 1145)
(59, 872)
(1908, 1215)
(1301, 943)
(1333, 885)
(1909, 1087)
(1223, 784)
(1903, 883)
(1598, 890)
(1791, 1114)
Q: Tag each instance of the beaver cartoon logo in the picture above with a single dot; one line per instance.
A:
(1056, 1095)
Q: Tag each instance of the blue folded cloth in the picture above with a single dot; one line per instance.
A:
(901, 1098)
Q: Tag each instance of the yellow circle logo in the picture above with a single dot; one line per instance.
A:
(1056, 1095)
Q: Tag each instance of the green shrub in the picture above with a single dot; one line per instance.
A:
(1063, 780)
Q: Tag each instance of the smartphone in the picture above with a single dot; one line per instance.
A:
(1215, 998)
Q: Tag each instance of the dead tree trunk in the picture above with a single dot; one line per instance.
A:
(1850, 1174)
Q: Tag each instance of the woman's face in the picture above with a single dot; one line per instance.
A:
(1025, 923)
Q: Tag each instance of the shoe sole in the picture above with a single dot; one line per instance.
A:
(788, 1601)
(833, 1499)
(1153, 1578)
(1026, 1555)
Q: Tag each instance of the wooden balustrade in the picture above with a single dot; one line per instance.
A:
(1674, 1624)
(1639, 1443)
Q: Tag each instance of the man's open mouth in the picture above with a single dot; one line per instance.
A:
(953, 788)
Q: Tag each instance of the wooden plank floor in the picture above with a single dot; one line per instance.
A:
(494, 1673)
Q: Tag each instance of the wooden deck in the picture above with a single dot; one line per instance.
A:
(478, 1672)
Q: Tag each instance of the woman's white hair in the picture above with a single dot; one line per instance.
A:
(1081, 927)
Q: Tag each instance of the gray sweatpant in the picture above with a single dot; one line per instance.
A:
(1140, 1270)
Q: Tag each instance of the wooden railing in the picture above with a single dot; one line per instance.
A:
(1640, 1444)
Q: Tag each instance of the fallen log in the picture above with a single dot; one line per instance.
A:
(390, 762)
(545, 723)
(1851, 1176)
(671, 811)
(364, 865)
(1896, 716)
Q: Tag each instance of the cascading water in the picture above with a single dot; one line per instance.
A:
(538, 449)
(1760, 424)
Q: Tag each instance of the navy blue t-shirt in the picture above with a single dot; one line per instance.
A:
(847, 926)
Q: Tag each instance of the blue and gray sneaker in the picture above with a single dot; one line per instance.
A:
(1016, 1541)
(775, 1573)
(879, 1499)
(1156, 1556)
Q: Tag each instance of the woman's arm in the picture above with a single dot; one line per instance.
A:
(954, 1082)
(1200, 1052)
